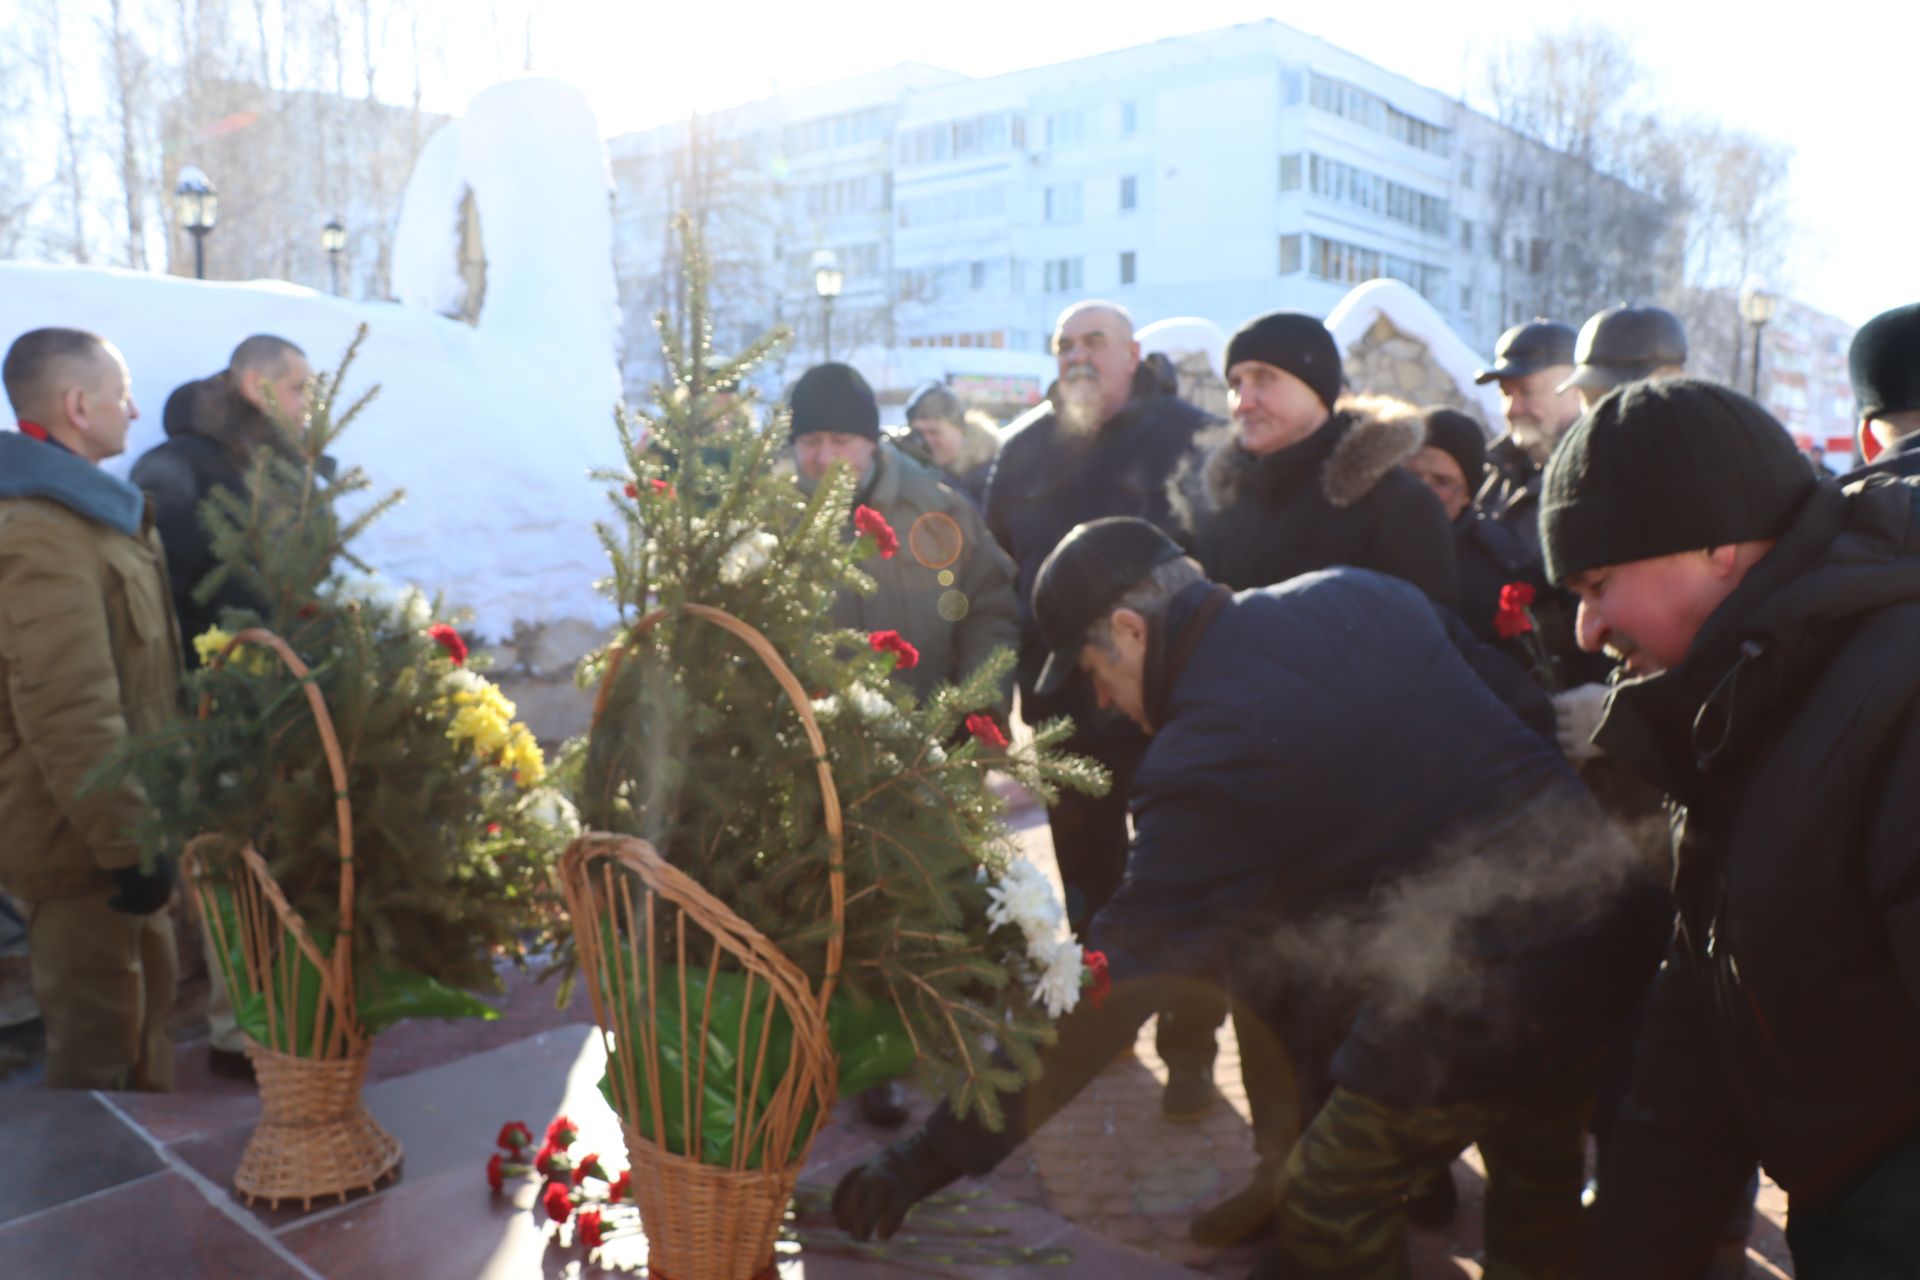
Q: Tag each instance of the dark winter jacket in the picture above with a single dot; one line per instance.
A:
(1511, 495)
(212, 434)
(1790, 1016)
(1046, 481)
(1489, 557)
(1901, 460)
(1339, 497)
(941, 536)
(1334, 798)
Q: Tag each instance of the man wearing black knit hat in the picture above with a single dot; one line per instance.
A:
(1884, 362)
(1305, 478)
(1768, 623)
(1453, 463)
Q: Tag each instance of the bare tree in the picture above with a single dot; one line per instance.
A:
(73, 151)
(128, 71)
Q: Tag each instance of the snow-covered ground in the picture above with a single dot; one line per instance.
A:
(489, 428)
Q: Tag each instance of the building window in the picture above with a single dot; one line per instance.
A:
(1129, 193)
(1126, 267)
(1466, 235)
(1063, 203)
(1336, 97)
(1337, 180)
(1129, 118)
(1466, 299)
(1289, 255)
(1063, 275)
(1289, 173)
(977, 275)
(1066, 128)
(1466, 170)
(1537, 256)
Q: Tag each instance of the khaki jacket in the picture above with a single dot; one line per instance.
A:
(89, 656)
(954, 624)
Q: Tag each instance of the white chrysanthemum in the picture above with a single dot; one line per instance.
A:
(871, 703)
(1024, 898)
(936, 755)
(416, 611)
(747, 557)
(551, 809)
(461, 680)
(826, 708)
(1057, 982)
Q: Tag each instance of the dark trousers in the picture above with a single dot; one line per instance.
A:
(1090, 844)
(1871, 1231)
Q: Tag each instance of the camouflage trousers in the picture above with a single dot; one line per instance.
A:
(1344, 1185)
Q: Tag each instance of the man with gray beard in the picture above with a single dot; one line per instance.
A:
(1104, 443)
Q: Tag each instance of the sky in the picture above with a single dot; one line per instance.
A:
(1834, 80)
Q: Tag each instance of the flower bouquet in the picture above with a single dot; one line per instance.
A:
(796, 881)
(357, 810)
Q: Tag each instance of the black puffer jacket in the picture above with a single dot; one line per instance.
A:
(1339, 497)
(1787, 1024)
(1900, 460)
(1046, 481)
(211, 437)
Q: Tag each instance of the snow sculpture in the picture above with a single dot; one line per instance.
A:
(490, 427)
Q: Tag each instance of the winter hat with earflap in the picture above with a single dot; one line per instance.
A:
(1296, 342)
(1657, 468)
(1884, 362)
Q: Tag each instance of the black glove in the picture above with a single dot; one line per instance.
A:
(142, 893)
(873, 1199)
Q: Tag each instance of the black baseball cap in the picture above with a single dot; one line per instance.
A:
(1081, 579)
(1528, 348)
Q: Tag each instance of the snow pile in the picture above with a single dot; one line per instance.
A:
(490, 429)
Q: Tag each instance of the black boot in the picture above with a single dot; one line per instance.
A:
(1189, 1095)
(885, 1105)
(1243, 1216)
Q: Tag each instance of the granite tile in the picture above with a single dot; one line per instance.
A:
(62, 1144)
(158, 1226)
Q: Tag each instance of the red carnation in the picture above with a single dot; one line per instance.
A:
(872, 524)
(661, 486)
(496, 1176)
(513, 1136)
(309, 610)
(588, 1168)
(621, 1187)
(562, 1132)
(1102, 982)
(590, 1234)
(988, 732)
(552, 1159)
(450, 640)
(633, 490)
(1511, 618)
(905, 656)
(557, 1200)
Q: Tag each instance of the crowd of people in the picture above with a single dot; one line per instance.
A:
(1500, 793)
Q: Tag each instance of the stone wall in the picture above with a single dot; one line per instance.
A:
(1387, 362)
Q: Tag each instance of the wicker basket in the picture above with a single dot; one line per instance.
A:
(315, 1137)
(704, 1221)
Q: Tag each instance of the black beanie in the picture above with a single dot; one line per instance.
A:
(1657, 468)
(834, 397)
(1884, 362)
(1296, 342)
(1453, 432)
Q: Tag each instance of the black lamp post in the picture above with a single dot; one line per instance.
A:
(828, 279)
(333, 238)
(197, 205)
(1757, 305)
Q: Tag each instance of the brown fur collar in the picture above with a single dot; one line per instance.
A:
(1384, 433)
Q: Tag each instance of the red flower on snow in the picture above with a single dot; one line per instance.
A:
(872, 524)
(905, 656)
(557, 1200)
(1102, 983)
(590, 1232)
(496, 1176)
(984, 728)
(450, 640)
(562, 1132)
(621, 1187)
(516, 1135)
(1511, 618)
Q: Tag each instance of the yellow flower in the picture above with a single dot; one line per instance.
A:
(523, 757)
(212, 643)
(483, 716)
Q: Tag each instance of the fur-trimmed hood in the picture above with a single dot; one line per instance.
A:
(979, 442)
(1365, 439)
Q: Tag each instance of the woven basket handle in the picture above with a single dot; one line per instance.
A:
(829, 794)
(342, 960)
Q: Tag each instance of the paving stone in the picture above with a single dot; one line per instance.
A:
(158, 1226)
(61, 1145)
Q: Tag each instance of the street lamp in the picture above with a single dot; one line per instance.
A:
(827, 281)
(1757, 305)
(333, 238)
(197, 205)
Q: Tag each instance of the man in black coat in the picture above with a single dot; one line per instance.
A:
(214, 428)
(1103, 444)
(1768, 622)
(1469, 958)
(1884, 362)
(1304, 479)
(1453, 463)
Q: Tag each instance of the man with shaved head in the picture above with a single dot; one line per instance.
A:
(1104, 443)
(89, 657)
(215, 428)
